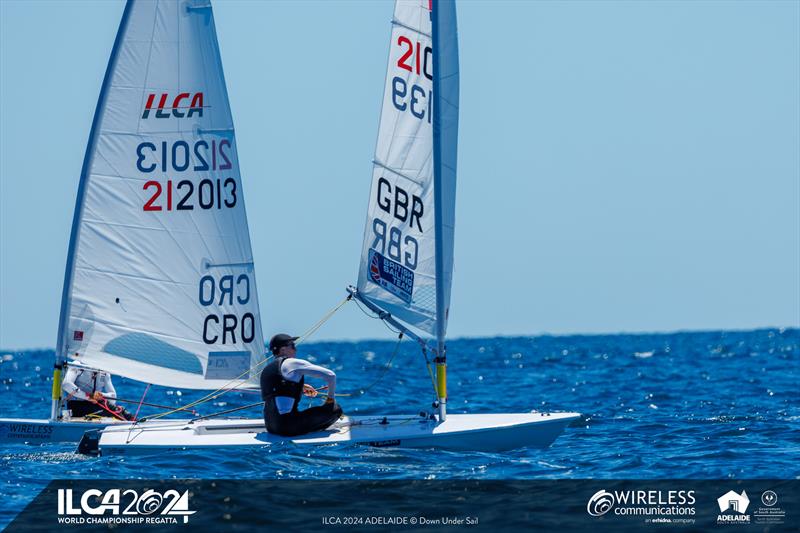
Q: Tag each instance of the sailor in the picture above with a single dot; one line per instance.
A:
(283, 384)
(90, 392)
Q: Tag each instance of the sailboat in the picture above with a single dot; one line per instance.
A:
(159, 284)
(406, 262)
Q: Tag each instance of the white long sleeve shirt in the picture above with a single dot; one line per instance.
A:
(294, 369)
(80, 384)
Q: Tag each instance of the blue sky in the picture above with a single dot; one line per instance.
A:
(623, 166)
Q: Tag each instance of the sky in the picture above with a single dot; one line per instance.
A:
(623, 166)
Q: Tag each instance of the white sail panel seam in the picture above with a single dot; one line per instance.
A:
(132, 276)
(137, 330)
(406, 26)
(101, 223)
(393, 171)
(164, 133)
(147, 67)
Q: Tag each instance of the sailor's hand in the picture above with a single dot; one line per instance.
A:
(97, 396)
(309, 391)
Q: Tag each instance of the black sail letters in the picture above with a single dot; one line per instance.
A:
(226, 328)
(406, 208)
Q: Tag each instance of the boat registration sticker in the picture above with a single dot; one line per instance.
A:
(384, 443)
(391, 275)
(228, 365)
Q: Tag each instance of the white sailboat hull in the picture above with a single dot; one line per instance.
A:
(472, 432)
(42, 430)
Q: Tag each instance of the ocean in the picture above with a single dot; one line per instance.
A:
(719, 404)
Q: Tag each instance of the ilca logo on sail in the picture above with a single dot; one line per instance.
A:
(179, 107)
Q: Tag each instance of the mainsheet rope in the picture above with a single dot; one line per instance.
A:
(422, 346)
(225, 388)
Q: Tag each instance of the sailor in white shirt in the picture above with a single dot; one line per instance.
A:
(283, 385)
(91, 392)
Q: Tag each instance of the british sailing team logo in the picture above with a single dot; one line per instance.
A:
(391, 275)
(375, 269)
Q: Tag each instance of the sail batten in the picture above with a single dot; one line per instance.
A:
(406, 260)
(160, 285)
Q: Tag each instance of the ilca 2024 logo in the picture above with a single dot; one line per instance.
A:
(118, 506)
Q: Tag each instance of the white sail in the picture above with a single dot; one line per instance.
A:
(160, 285)
(407, 256)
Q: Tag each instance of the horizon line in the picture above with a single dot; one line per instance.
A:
(779, 329)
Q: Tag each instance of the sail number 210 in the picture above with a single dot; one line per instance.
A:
(410, 97)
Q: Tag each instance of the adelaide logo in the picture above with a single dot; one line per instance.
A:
(733, 508)
(600, 503)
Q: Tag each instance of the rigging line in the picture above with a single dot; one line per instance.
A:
(214, 394)
(152, 404)
(104, 406)
(430, 373)
(225, 388)
(377, 317)
(136, 416)
(324, 319)
(385, 368)
(227, 411)
(141, 401)
(365, 312)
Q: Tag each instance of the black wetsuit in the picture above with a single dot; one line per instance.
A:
(82, 408)
(294, 422)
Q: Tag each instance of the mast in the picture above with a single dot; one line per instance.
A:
(441, 313)
(69, 271)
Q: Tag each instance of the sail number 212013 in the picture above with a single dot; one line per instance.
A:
(185, 194)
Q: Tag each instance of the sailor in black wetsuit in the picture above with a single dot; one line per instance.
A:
(282, 386)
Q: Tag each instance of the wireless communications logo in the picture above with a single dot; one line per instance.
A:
(655, 506)
(600, 503)
(117, 506)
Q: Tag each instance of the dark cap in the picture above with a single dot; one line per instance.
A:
(279, 341)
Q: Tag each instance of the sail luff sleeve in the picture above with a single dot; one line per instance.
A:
(69, 270)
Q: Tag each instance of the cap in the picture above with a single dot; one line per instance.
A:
(280, 340)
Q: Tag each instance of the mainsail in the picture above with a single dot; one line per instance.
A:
(407, 256)
(159, 285)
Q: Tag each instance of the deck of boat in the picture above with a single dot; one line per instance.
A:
(477, 432)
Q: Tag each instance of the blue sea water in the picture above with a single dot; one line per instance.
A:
(683, 405)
